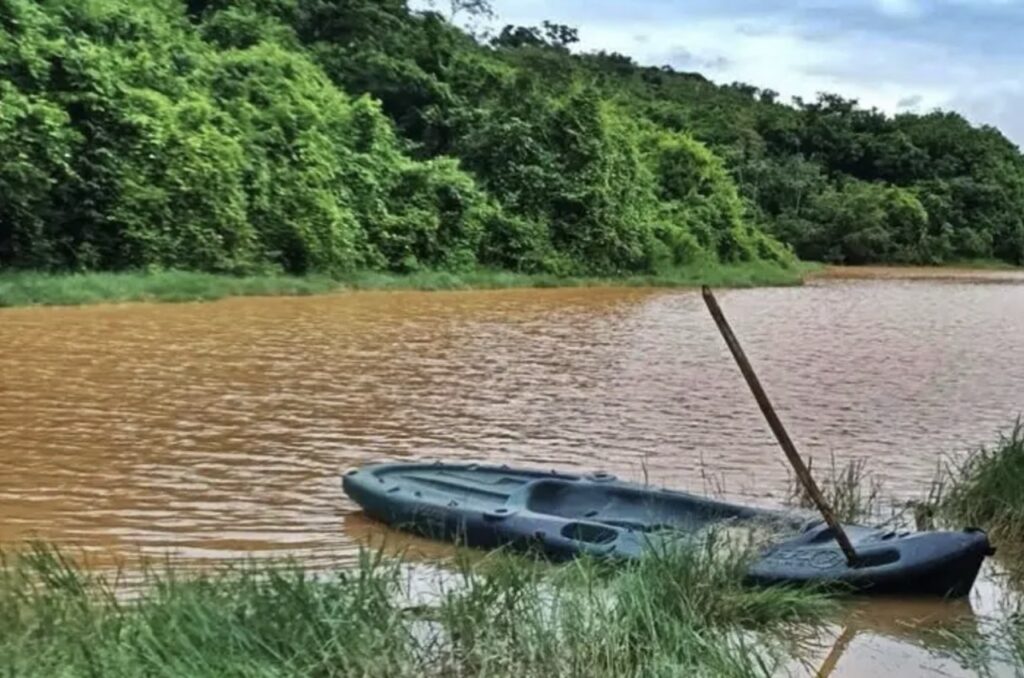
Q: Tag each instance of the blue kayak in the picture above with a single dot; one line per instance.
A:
(565, 515)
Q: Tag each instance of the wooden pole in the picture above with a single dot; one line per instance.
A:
(802, 472)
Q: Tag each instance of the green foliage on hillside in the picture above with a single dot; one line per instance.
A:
(339, 135)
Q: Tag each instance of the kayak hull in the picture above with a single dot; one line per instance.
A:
(565, 515)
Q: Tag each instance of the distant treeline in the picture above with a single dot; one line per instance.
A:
(338, 135)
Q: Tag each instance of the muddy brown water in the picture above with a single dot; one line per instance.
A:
(219, 430)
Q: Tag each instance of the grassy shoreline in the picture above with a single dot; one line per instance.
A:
(74, 289)
(963, 272)
(682, 612)
(986, 488)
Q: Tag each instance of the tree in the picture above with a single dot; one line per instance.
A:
(328, 135)
(474, 8)
(550, 35)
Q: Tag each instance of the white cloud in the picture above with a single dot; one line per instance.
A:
(779, 57)
(939, 53)
(999, 105)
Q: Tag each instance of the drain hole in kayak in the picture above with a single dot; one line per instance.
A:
(594, 534)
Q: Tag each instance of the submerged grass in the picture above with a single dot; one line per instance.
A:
(43, 289)
(984, 488)
(853, 493)
(683, 611)
(997, 651)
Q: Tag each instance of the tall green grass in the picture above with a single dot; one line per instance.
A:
(986, 489)
(853, 493)
(982, 265)
(683, 611)
(43, 289)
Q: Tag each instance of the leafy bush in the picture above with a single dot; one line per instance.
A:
(330, 136)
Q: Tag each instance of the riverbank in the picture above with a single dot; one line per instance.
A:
(683, 612)
(983, 489)
(78, 289)
(680, 612)
(970, 271)
(44, 289)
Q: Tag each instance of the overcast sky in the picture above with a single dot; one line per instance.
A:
(916, 55)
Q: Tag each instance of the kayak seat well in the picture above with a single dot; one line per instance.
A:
(590, 533)
(621, 507)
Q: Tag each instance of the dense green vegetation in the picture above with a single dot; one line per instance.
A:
(239, 137)
(679, 612)
(332, 136)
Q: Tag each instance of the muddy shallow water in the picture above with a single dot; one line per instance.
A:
(218, 430)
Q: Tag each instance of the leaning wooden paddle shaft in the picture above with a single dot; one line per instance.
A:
(802, 472)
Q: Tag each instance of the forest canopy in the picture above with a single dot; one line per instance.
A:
(337, 135)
